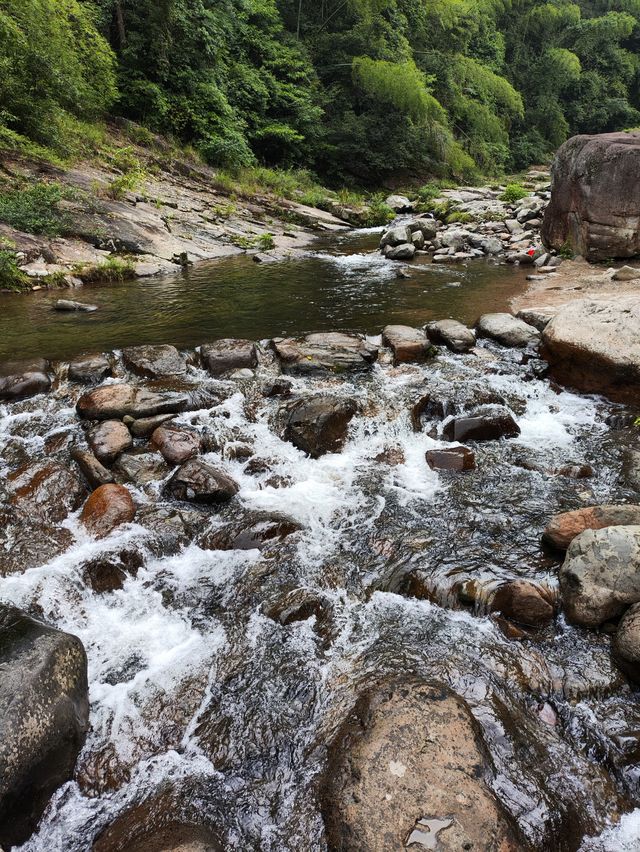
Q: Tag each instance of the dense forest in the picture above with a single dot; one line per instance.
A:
(355, 90)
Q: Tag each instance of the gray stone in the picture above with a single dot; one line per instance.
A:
(108, 439)
(395, 236)
(113, 402)
(626, 273)
(199, 482)
(507, 330)
(537, 317)
(626, 643)
(332, 352)
(399, 203)
(406, 251)
(80, 307)
(23, 379)
(223, 356)
(89, 369)
(154, 362)
(407, 344)
(452, 334)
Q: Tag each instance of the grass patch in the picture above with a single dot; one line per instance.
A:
(514, 192)
(264, 242)
(11, 277)
(113, 269)
(34, 208)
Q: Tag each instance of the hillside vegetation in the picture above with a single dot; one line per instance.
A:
(357, 91)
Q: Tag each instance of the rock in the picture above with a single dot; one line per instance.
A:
(46, 490)
(399, 203)
(491, 245)
(252, 533)
(68, 305)
(600, 576)
(108, 439)
(453, 334)
(429, 408)
(563, 528)
(176, 445)
(225, 355)
(146, 426)
(89, 369)
(522, 601)
(199, 482)
(154, 362)
(278, 387)
(537, 317)
(397, 236)
(626, 273)
(23, 379)
(406, 251)
(140, 467)
(507, 330)
(574, 471)
(113, 402)
(94, 472)
(453, 458)
(408, 344)
(108, 572)
(44, 717)
(595, 197)
(631, 469)
(417, 239)
(318, 424)
(595, 346)
(426, 226)
(456, 239)
(485, 424)
(108, 507)
(407, 770)
(332, 352)
(626, 643)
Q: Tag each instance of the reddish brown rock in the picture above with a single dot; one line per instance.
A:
(108, 440)
(524, 602)
(407, 344)
(176, 445)
(46, 490)
(454, 458)
(318, 424)
(482, 425)
(95, 473)
(107, 508)
(563, 528)
(117, 401)
(108, 572)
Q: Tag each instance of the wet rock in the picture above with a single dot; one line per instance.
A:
(222, 356)
(89, 369)
(80, 307)
(406, 251)
(408, 769)
(595, 346)
(482, 425)
(408, 344)
(333, 352)
(94, 472)
(26, 541)
(108, 507)
(428, 227)
(46, 490)
(176, 445)
(318, 424)
(300, 605)
(140, 467)
(252, 533)
(428, 408)
(574, 471)
(453, 458)
(279, 387)
(537, 317)
(600, 576)
(44, 716)
(631, 468)
(626, 643)
(113, 402)
(23, 379)
(173, 527)
(154, 362)
(563, 528)
(452, 334)
(108, 572)
(108, 439)
(525, 602)
(199, 482)
(393, 456)
(507, 330)
(146, 426)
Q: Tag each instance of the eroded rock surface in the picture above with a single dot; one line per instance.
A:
(332, 352)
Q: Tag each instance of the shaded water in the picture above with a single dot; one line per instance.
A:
(334, 288)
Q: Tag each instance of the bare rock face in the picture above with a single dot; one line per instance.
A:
(595, 197)
(226, 355)
(453, 334)
(407, 344)
(154, 362)
(44, 716)
(23, 379)
(113, 402)
(108, 439)
(107, 508)
(595, 346)
(600, 576)
(332, 352)
(409, 769)
(318, 424)
(563, 528)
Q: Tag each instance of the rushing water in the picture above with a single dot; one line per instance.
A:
(350, 287)
(198, 689)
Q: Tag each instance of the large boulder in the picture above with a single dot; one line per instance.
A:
(154, 362)
(563, 528)
(595, 346)
(22, 379)
(225, 355)
(113, 402)
(408, 769)
(395, 236)
(333, 352)
(595, 197)
(600, 576)
(507, 330)
(318, 424)
(407, 343)
(176, 445)
(626, 643)
(89, 369)
(44, 714)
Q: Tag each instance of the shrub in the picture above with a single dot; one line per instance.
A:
(113, 269)
(34, 208)
(513, 192)
(11, 277)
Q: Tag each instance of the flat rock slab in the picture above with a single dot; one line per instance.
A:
(46, 490)
(223, 356)
(595, 346)
(563, 528)
(89, 369)
(407, 344)
(154, 362)
(453, 334)
(333, 352)
(507, 330)
(44, 717)
(113, 402)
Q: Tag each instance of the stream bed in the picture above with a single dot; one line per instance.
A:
(220, 676)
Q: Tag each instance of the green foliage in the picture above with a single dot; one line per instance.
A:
(113, 270)
(513, 192)
(34, 208)
(11, 277)
(264, 242)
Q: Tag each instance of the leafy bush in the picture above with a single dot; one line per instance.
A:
(11, 277)
(513, 192)
(34, 208)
